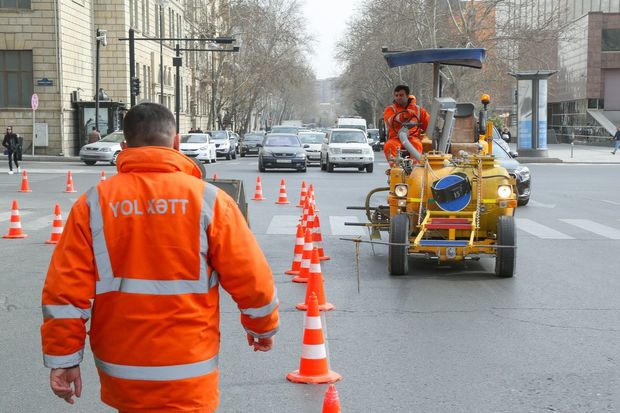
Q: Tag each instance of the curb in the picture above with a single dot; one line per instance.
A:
(538, 160)
(45, 158)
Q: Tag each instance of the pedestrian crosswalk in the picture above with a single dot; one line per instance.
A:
(551, 229)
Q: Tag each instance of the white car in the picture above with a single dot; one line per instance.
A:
(105, 150)
(312, 142)
(346, 148)
(199, 146)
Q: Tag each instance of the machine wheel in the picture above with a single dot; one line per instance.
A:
(369, 168)
(90, 163)
(330, 166)
(113, 161)
(323, 166)
(398, 261)
(506, 258)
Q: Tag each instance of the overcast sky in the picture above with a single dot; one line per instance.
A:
(326, 22)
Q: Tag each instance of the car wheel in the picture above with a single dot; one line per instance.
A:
(398, 257)
(113, 161)
(228, 156)
(369, 168)
(506, 258)
(523, 202)
(360, 168)
(330, 166)
(323, 166)
(242, 154)
(90, 163)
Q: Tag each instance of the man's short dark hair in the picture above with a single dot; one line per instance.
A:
(149, 124)
(402, 87)
(94, 128)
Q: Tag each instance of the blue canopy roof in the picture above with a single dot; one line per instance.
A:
(456, 57)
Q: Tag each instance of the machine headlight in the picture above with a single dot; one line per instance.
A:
(106, 149)
(504, 191)
(335, 151)
(401, 190)
(523, 173)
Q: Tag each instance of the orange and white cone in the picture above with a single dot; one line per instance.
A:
(317, 238)
(315, 285)
(70, 187)
(304, 215)
(258, 193)
(312, 198)
(215, 177)
(56, 226)
(283, 198)
(313, 366)
(331, 402)
(103, 178)
(306, 257)
(302, 195)
(297, 252)
(25, 186)
(15, 227)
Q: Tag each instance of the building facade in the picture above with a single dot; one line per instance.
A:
(48, 47)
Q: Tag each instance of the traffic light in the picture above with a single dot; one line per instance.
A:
(135, 86)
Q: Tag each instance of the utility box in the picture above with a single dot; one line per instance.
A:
(41, 137)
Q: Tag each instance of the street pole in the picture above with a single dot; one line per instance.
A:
(177, 85)
(212, 93)
(162, 4)
(132, 65)
(97, 82)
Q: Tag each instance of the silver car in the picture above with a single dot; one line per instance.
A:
(104, 150)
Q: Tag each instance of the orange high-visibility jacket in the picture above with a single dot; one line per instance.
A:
(149, 247)
(394, 115)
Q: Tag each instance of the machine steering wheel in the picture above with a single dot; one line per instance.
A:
(413, 122)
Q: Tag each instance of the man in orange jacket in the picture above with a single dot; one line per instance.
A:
(141, 256)
(403, 109)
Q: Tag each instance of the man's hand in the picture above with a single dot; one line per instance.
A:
(260, 344)
(61, 380)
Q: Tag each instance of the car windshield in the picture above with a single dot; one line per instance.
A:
(373, 133)
(499, 151)
(194, 138)
(360, 127)
(114, 137)
(219, 135)
(289, 140)
(348, 137)
(284, 129)
(311, 137)
(252, 138)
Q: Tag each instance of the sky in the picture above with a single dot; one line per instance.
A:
(326, 23)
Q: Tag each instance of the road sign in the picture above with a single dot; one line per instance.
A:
(34, 101)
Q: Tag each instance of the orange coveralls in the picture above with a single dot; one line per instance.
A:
(394, 116)
(141, 256)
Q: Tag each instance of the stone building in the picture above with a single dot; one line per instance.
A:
(48, 47)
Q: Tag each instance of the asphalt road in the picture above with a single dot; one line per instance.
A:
(442, 339)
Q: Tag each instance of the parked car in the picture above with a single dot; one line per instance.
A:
(105, 150)
(281, 150)
(199, 146)
(346, 148)
(224, 146)
(312, 142)
(506, 159)
(249, 144)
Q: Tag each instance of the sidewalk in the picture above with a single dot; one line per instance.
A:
(43, 158)
(578, 153)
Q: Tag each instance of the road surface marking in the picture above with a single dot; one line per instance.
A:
(336, 222)
(540, 230)
(40, 223)
(594, 227)
(5, 216)
(610, 202)
(283, 225)
(535, 203)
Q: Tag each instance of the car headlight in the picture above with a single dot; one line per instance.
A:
(300, 155)
(335, 150)
(523, 173)
(367, 151)
(204, 148)
(504, 191)
(106, 149)
(267, 153)
(401, 190)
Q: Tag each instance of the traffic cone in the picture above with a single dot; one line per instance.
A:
(313, 366)
(297, 252)
(315, 285)
(282, 199)
(103, 178)
(331, 402)
(258, 194)
(15, 227)
(310, 219)
(70, 187)
(25, 186)
(215, 177)
(306, 257)
(56, 226)
(312, 198)
(302, 195)
(304, 214)
(317, 238)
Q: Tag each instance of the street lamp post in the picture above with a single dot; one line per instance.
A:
(162, 4)
(101, 40)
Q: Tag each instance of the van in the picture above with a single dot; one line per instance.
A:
(356, 122)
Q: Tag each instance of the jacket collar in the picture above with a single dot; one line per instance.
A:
(155, 159)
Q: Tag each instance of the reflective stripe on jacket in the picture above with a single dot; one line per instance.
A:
(393, 125)
(150, 247)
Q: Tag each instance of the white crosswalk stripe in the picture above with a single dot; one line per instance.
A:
(539, 230)
(338, 228)
(39, 223)
(5, 216)
(594, 227)
(283, 225)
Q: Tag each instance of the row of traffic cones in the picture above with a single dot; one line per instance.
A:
(25, 187)
(15, 226)
(282, 196)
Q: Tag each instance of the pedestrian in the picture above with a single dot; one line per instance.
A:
(141, 256)
(616, 137)
(192, 130)
(13, 149)
(506, 136)
(94, 135)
